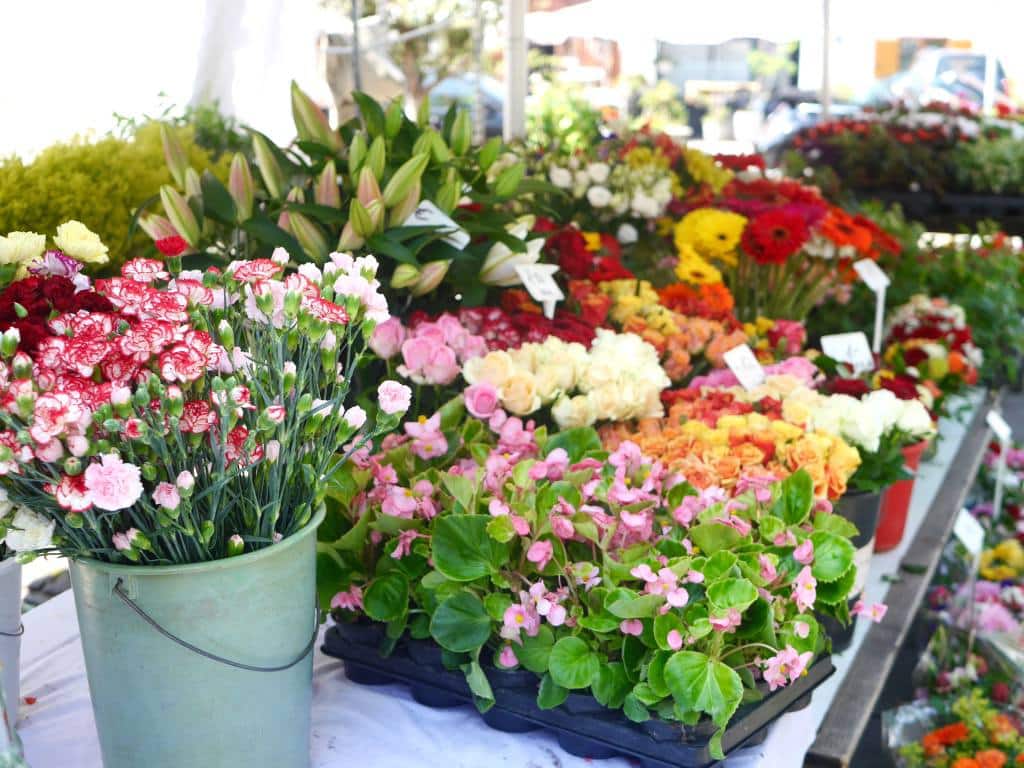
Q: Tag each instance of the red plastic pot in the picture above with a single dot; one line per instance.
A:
(896, 502)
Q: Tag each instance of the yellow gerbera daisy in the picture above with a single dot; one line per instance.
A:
(714, 234)
(697, 271)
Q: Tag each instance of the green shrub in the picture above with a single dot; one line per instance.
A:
(98, 183)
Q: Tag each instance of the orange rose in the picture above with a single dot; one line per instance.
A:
(965, 762)
(697, 473)
(748, 454)
(728, 469)
(991, 758)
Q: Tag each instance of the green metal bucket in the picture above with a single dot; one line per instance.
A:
(161, 705)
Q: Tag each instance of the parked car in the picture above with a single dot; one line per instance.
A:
(462, 90)
(945, 75)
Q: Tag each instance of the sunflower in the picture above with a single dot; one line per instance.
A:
(712, 233)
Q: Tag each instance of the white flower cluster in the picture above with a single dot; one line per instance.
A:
(641, 191)
(619, 378)
(27, 531)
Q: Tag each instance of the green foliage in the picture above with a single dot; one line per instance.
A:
(98, 183)
(562, 120)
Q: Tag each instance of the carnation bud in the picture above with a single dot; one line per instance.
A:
(292, 299)
(206, 531)
(141, 397)
(103, 446)
(78, 445)
(6, 454)
(218, 384)
(149, 471)
(273, 450)
(185, 482)
(304, 404)
(290, 373)
(226, 335)
(174, 393)
(120, 395)
(265, 303)
(26, 404)
(138, 539)
(9, 342)
(72, 466)
(235, 545)
(22, 366)
(113, 426)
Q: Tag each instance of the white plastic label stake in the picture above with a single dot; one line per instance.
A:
(849, 348)
(999, 427)
(539, 282)
(745, 367)
(970, 533)
(1004, 434)
(429, 215)
(877, 281)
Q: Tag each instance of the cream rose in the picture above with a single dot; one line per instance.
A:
(495, 368)
(519, 393)
(553, 380)
(79, 242)
(569, 412)
(21, 247)
(608, 402)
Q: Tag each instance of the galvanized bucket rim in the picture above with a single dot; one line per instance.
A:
(223, 564)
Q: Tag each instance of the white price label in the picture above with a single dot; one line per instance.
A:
(872, 275)
(745, 367)
(999, 427)
(429, 215)
(539, 282)
(970, 532)
(850, 348)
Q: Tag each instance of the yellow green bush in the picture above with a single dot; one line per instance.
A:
(99, 183)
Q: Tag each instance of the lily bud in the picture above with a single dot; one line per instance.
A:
(174, 154)
(393, 119)
(156, 226)
(509, 179)
(310, 122)
(192, 186)
(181, 216)
(407, 206)
(462, 133)
(402, 180)
(349, 240)
(367, 190)
(235, 546)
(270, 169)
(405, 276)
(438, 149)
(284, 219)
(489, 153)
(359, 218)
(241, 187)
(309, 236)
(327, 192)
(423, 114)
(376, 156)
(431, 275)
(376, 212)
(448, 195)
(423, 143)
(356, 153)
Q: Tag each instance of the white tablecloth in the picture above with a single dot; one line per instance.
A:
(353, 725)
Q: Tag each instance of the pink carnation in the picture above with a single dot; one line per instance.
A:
(167, 496)
(394, 397)
(112, 484)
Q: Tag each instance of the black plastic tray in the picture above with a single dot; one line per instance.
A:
(582, 727)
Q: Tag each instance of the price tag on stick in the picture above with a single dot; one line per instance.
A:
(877, 281)
(1004, 434)
(972, 536)
(745, 367)
(429, 215)
(850, 348)
(539, 282)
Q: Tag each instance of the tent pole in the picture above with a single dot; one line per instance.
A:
(515, 69)
(826, 85)
(357, 70)
(478, 65)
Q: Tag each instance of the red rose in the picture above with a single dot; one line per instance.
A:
(610, 268)
(544, 224)
(914, 356)
(851, 387)
(1000, 692)
(570, 248)
(610, 246)
(902, 386)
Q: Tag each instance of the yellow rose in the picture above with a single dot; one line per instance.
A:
(784, 431)
(494, 368)
(519, 393)
(78, 242)
(21, 247)
(796, 411)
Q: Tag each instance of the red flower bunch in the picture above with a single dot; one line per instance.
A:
(740, 162)
(772, 237)
(568, 246)
(713, 301)
(516, 322)
(29, 304)
(592, 304)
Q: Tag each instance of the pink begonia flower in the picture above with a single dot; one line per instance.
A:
(768, 572)
(518, 617)
(386, 340)
(822, 505)
(562, 527)
(167, 496)
(520, 524)
(674, 639)
(481, 400)
(428, 360)
(507, 657)
(516, 438)
(802, 629)
(805, 589)
(404, 546)
(393, 397)
(497, 508)
(785, 667)
(876, 611)
(428, 441)
(643, 571)
(687, 510)
(634, 519)
(587, 575)
(351, 600)
(112, 484)
(497, 469)
(553, 467)
(694, 577)
(399, 502)
(540, 553)
(784, 539)
(738, 524)
(546, 605)
(497, 420)
(633, 627)
(627, 458)
(727, 623)
(804, 554)
(761, 485)
(666, 583)
(425, 491)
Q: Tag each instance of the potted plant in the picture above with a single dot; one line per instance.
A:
(602, 574)
(175, 435)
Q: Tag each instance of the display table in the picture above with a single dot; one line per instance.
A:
(383, 727)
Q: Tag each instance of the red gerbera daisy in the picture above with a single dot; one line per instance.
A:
(774, 236)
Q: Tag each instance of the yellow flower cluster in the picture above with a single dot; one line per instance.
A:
(631, 298)
(1003, 561)
(703, 237)
(694, 269)
(704, 170)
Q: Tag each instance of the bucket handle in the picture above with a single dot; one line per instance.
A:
(19, 633)
(212, 656)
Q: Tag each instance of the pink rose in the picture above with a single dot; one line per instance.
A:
(112, 484)
(394, 397)
(387, 338)
(481, 400)
(167, 496)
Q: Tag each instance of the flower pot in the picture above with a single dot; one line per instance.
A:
(896, 502)
(10, 634)
(862, 508)
(161, 705)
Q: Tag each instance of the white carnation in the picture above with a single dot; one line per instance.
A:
(29, 531)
